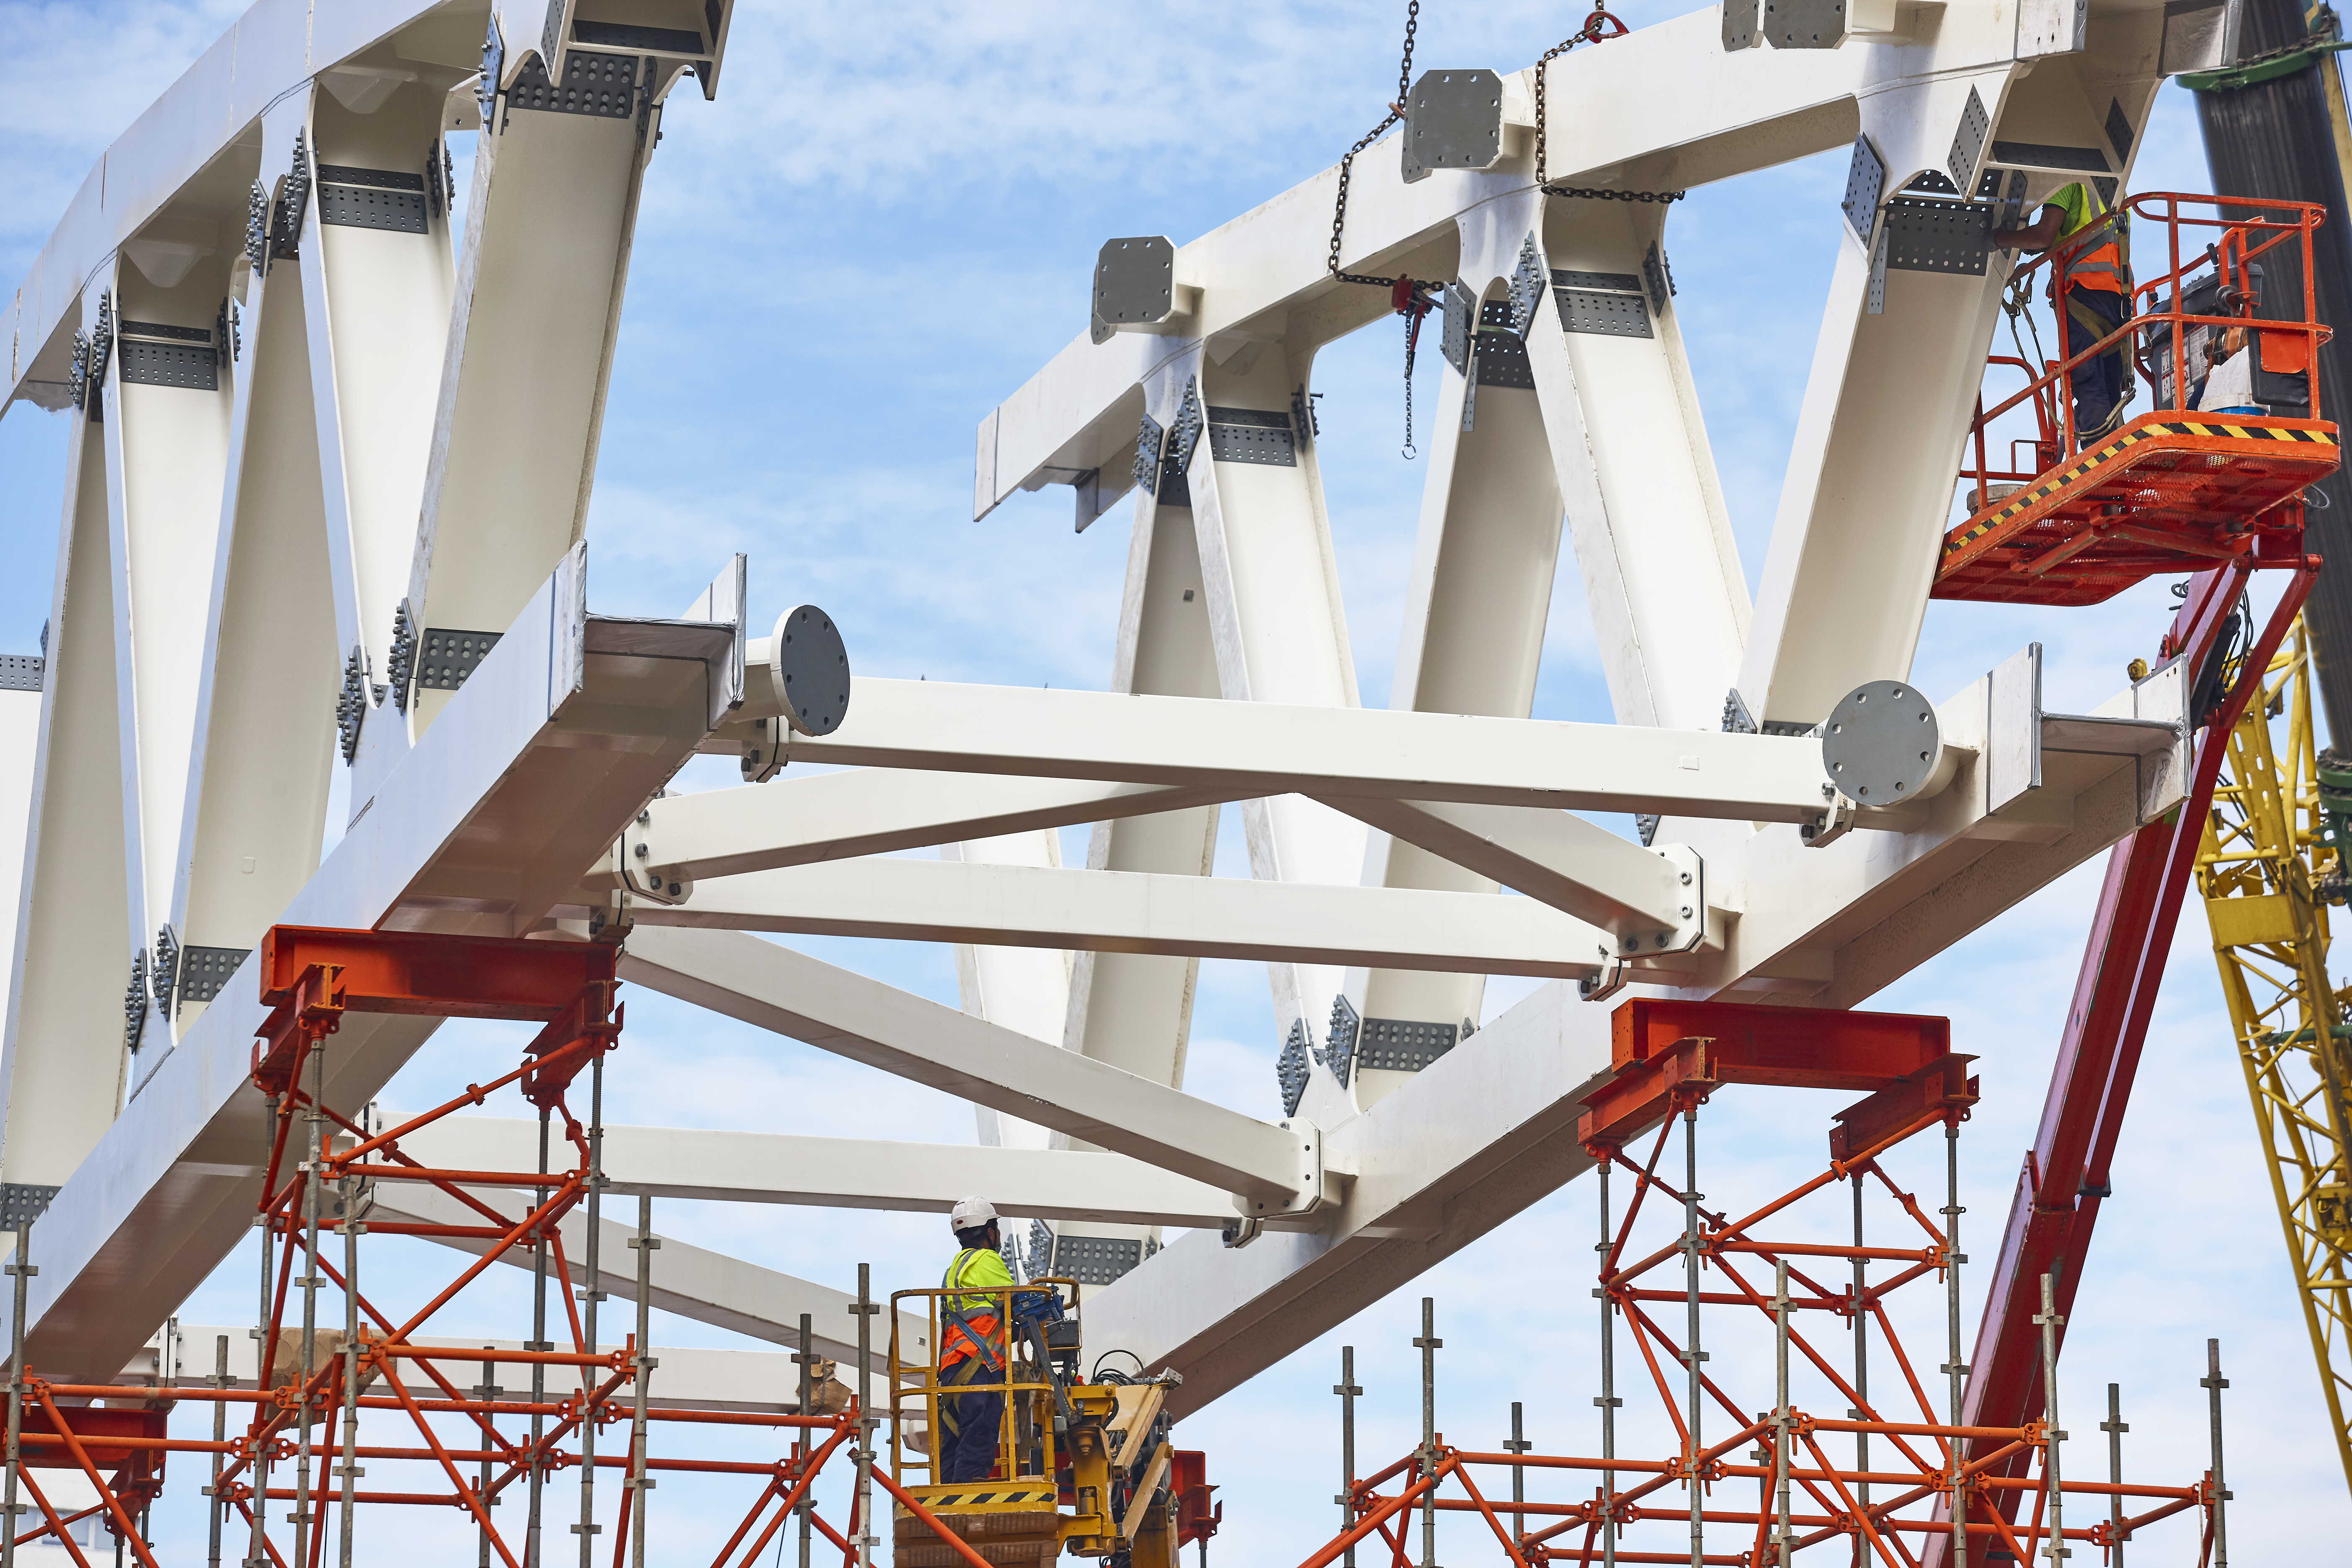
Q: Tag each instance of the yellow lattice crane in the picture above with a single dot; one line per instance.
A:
(2271, 862)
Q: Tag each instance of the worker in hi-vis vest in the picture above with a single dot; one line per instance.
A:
(2096, 296)
(971, 1345)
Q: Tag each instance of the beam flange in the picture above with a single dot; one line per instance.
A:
(1256, 749)
(1147, 913)
(774, 988)
(844, 1172)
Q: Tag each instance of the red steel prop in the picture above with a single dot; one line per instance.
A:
(310, 978)
(1907, 1454)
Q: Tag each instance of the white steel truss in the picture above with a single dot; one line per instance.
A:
(348, 478)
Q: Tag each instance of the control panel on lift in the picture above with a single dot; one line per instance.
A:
(1085, 1462)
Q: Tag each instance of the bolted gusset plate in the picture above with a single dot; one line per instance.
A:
(1455, 119)
(2168, 493)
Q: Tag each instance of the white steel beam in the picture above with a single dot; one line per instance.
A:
(259, 769)
(796, 821)
(1663, 581)
(166, 452)
(1266, 748)
(833, 1009)
(1729, 113)
(379, 322)
(690, 1378)
(1025, 989)
(692, 1281)
(1134, 1010)
(20, 751)
(549, 749)
(1279, 634)
(1174, 916)
(843, 1173)
(190, 130)
(549, 222)
(1605, 882)
(1894, 384)
(63, 1066)
(1473, 1139)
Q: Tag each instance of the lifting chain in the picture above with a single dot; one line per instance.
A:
(1347, 163)
(1589, 33)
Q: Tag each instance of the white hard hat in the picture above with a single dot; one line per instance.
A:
(970, 1212)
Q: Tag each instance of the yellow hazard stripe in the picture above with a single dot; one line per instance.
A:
(1970, 535)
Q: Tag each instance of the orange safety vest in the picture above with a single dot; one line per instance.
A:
(2100, 266)
(970, 1268)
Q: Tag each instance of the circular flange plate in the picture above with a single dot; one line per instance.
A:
(1881, 745)
(811, 670)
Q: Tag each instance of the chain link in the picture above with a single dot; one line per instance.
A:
(1590, 195)
(1347, 163)
(1589, 33)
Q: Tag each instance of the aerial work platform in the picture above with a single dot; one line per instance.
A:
(2213, 474)
(2169, 492)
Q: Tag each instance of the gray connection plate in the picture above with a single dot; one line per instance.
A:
(1625, 315)
(447, 658)
(20, 671)
(370, 198)
(189, 366)
(205, 970)
(1455, 119)
(1938, 237)
(1252, 436)
(1094, 1260)
(1403, 1044)
(604, 86)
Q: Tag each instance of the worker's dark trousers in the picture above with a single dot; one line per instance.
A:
(2092, 314)
(970, 1424)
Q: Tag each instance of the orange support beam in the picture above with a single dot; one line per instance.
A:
(1665, 1050)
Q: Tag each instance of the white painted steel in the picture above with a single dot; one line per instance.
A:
(692, 1379)
(1154, 913)
(800, 820)
(844, 1172)
(692, 1281)
(865, 1020)
(407, 422)
(1326, 751)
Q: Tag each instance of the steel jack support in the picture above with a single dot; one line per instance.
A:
(1429, 1344)
(639, 1484)
(1695, 1356)
(866, 1420)
(1608, 1400)
(21, 1272)
(2054, 1547)
(1955, 1370)
(591, 1293)
(2213, 1383)
(2115, 1426)
(1346, 1391)
(216, 1511)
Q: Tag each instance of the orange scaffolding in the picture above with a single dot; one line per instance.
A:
(321, 1166)
(2074, 521)
(1670, 1058)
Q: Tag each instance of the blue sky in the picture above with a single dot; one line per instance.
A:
(881, 228)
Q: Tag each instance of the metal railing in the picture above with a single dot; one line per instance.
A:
(2206, 297)
(1025, 1425)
